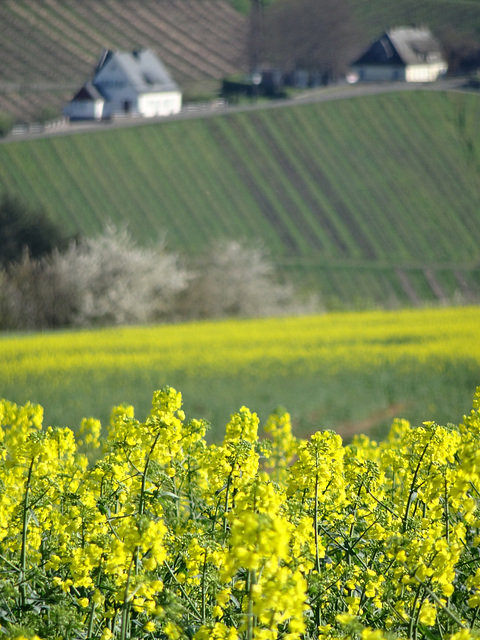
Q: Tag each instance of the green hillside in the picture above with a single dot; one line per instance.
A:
(369, 200)
(439, 15)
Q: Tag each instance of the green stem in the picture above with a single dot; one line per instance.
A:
(472, 624)
(177, 501)
(204, 571)
(126, 604)
(315, 524)
(412, 626)
(412, 486)
(447, 515)
(251, 618)
(437, 600)
(227, 497)
(92, 610)
(23, 552)
(10, 564)
(141, 505)
(346, 548)
(184, 593)
(90, 621)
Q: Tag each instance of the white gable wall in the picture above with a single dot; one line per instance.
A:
(163, 103)
(425, 72)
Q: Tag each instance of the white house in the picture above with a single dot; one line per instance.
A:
(403, 53)
(126, 83)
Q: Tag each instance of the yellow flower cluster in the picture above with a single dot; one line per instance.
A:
(259, 538)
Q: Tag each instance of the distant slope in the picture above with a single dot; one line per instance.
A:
(374, 198)
(49, 48)
(439, 15)
(377, 15)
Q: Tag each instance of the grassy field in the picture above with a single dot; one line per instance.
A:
(333, 189)
(439, 15)
(349, 372)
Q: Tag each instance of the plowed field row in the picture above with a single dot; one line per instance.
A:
(61, 41)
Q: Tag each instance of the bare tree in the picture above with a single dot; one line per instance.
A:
(461, 49)
(312, 35)
(256, 35)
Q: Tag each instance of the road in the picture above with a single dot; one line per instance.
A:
(207, 110)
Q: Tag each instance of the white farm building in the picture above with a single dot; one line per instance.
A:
(126, 83)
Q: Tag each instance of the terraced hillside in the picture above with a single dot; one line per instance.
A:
(373, 199)
(49, 48)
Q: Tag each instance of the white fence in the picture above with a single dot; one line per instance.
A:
(38, 127)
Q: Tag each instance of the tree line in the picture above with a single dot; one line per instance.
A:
(311, 35)
(325, 36)
(48, 281)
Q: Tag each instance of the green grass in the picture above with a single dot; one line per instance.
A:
(371, 184)
(378, 15)
(345, 371)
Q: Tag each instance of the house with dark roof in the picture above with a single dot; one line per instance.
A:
(87, 104)
(126, 83)
(404, 53)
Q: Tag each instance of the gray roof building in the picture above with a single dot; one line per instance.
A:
(142, 68)
(127, 83)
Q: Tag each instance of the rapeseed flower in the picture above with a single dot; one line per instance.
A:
(161, 533)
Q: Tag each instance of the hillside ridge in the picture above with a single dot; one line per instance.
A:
(367, 201)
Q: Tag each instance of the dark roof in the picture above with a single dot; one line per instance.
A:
(87, 92)
(143, 68)
(403, 46)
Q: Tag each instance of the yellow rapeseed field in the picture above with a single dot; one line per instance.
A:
(90, 371)
(144, 529)
(263, 536)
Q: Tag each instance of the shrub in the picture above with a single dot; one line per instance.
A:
(236, 279)
(116, 282)
(6, 123)
(25, 228)
(109, 280)
(35, 296)
(96, 281)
